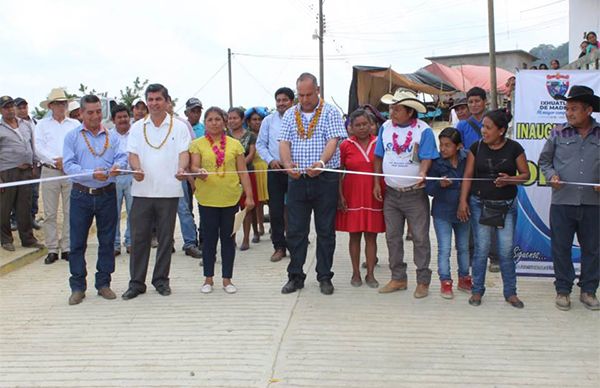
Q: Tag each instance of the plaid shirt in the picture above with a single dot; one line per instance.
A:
(305, 152)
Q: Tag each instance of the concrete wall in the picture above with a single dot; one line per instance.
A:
(505, 61)
(584, 15)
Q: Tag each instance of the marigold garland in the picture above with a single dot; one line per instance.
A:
(302, 133)
(164, 140)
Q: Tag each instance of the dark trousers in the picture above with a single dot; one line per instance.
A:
(217, 224)
(305, 195)
(18, 197)
(145, 213)
(565, 221)
(83, 208)
(277, 183)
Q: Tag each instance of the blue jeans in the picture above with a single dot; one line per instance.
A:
(482, 235)
(565, 221)
(123, 193)
(186, 219)
(304, 196)
(217, 224)
(83, 208)
(443, 232)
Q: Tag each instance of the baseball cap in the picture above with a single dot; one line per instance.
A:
(137, 101)
(20, 101)
(193, 103)
(6, 100)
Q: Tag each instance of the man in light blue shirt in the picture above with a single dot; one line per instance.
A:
(91, 148)
(267, 146)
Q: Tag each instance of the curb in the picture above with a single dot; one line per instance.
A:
(22, 261)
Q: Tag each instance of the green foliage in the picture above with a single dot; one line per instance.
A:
(130, 94)
(548, 52)
(38, 113)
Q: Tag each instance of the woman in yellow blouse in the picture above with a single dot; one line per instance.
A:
(219, 159)
(254, 117)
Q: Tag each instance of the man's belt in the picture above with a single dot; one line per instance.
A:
(94, 191)
(24, 166)
(50, 166)
(407, 189)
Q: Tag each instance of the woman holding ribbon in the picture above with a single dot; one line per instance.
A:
(489, 202)
(221, 166)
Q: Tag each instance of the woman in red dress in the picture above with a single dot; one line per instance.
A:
(359, 212)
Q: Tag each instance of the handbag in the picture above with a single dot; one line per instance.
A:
(493, 213)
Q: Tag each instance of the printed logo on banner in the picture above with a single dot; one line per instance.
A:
(557, 84)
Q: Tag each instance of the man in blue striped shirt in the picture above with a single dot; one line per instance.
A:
(91, 148)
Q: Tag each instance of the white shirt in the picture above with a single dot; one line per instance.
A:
(49, 137)
(159, 165)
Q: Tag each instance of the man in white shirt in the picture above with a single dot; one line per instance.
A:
(49, 139)
(158, 152)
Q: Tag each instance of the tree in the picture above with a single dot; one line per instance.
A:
(130, 94)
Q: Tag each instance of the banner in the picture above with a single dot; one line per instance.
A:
(536, 112)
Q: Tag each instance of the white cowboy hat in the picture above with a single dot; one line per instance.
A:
(73, 105)
(56, 94)
(405, 97)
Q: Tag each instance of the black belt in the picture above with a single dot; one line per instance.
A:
(110, 188)
(48, 165)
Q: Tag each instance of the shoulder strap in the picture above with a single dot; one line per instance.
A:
(474, 126)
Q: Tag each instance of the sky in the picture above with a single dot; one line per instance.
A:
(183, 44)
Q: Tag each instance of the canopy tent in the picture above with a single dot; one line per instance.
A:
(465, 77)
(370, 83)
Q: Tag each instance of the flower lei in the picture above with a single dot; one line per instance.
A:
(164, 140)
(401, 148)
(219, 151)
(89, 146)
(302, 133)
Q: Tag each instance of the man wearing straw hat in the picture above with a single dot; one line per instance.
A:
(49, 139)
(571, 154)
(405, 146)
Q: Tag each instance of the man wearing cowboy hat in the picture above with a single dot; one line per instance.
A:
(405, 146)
(459, 111)
(49, 139)
(17, 163)
(571, 155)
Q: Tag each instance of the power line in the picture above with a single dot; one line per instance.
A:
(206, 83)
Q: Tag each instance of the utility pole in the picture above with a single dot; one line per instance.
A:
(321, 63)
(492, 46)
(230, 86)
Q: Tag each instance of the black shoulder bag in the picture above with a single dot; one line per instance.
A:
(493, 212)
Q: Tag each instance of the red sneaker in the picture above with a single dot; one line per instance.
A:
(465, 283)
(446, 289)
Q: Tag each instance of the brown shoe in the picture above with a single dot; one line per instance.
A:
(421, 291)
(278, 255)
(76, 297)
(589, 301)
(107, 293)
(393, 285)
(563, 302)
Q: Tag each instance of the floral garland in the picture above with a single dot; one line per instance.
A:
(164, 140)
(302, 133)
(219, 151)
(401, 148)
(89, 146)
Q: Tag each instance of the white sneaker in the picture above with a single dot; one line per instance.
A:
(206, 289)
(230, 289)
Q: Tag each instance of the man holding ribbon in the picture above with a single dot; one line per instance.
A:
(309, 138)
(158, 152)
(571, 155)
(92, 149)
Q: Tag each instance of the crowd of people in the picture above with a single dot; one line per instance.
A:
(365, 176)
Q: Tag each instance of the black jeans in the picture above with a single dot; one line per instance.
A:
(565, 221)
(305, 195)
(144, 213)
(19, 198)
(217, 224)
(278, 186)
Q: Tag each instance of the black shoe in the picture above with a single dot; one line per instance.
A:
(131, 293)
(194, 251)
(64, 256)
(51, 258)
(326, 287)
(164, 290)
(293, 285)
(36, 225)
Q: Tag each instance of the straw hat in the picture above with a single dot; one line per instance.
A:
(405, 97)
(56, 94)
(73, 105)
